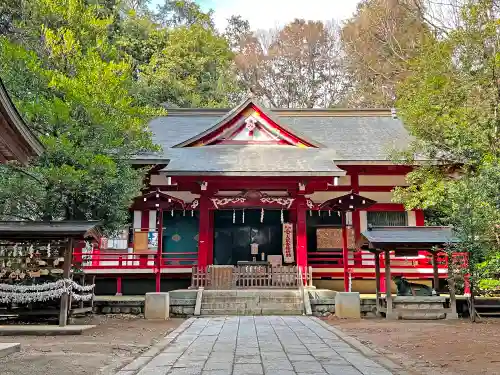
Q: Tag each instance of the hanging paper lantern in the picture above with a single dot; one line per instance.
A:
(172, 213)
(183, 212)
(243, 217)
(234, 216)
(310, 213)
(329, 212)
(192, 213)
(261, 215)
(282, 220)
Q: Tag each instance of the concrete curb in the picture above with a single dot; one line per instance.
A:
(143, 359)
(9, 348)
(363, 349)
(43, 330)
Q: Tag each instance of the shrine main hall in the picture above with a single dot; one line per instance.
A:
(249, 185)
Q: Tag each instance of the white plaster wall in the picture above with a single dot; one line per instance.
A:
(152, 220)
(382, 180)
(379, 197)
(345, 180)
(412, 219)
(322, 196)
(159, 179)
(363, 221)
(137, 220)
(185, 196)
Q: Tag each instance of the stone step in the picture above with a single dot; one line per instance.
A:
(254, 311)
(275, 306)
(224, 305)
(273, 311)
(257, 311)
(253, 293)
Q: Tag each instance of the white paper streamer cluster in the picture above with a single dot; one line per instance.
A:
(44, 292)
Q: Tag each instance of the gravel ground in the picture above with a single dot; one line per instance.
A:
(432, 347)
(114, 342)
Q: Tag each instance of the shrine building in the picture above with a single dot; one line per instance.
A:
(250, 185)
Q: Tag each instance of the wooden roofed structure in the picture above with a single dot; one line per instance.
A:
(17, 142)
(409, 240)
(61, 234)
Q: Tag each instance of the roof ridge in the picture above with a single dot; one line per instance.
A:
(327, 112)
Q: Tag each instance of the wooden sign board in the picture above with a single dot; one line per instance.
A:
(331, 238)
(140, 241)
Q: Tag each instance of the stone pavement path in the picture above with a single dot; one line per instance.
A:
(259, 345)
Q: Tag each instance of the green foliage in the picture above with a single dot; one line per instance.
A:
(77, 98)
(489, 275)
(193, 70)
(450, 104)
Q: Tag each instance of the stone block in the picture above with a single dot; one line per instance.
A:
(347, 305)
(157, 306)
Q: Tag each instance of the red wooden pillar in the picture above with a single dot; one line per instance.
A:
(419, 218)
(356, 222)
(119, 286)
(205, 241)
(345, 252)
(301, 233)
(143, 259)
(159, 258)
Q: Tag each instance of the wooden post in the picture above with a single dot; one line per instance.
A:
(159, 251)
(435, 270)
(118, 286)
(63, 312)
(377, 281)
(345, 252)
(204, 236)
(301, 251)
(388, 293)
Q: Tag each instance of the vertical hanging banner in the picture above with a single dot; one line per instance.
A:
(288, 256)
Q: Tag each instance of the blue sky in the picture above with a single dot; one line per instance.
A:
(265, 14)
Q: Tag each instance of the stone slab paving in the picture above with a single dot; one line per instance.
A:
(259, 345)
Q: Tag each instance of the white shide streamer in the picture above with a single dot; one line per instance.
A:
(44, 292)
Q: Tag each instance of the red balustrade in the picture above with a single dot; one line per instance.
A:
(324, 263)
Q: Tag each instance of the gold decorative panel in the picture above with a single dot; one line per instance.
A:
(331, 238)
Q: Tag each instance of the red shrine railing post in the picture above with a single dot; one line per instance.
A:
(159, 259)
(204, 237)
(345, 252)
(301, 233)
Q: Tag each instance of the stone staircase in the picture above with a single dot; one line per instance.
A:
(252, 302)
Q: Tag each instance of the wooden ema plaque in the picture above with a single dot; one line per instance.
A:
(331, 238)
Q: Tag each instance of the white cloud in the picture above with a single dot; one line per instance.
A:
(265, 14)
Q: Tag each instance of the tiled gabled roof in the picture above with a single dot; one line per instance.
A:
(342, 136)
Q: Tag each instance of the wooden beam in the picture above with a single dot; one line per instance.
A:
(377, 282)
(63, 312)
(435, 270)
(388, 293)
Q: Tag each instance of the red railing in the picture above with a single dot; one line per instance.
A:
(362, 263)
(324, 263)
(113, 260)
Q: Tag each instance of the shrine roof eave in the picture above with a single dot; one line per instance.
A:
(43, 230)
(336, 173)
(14, 120)
(424, 238)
